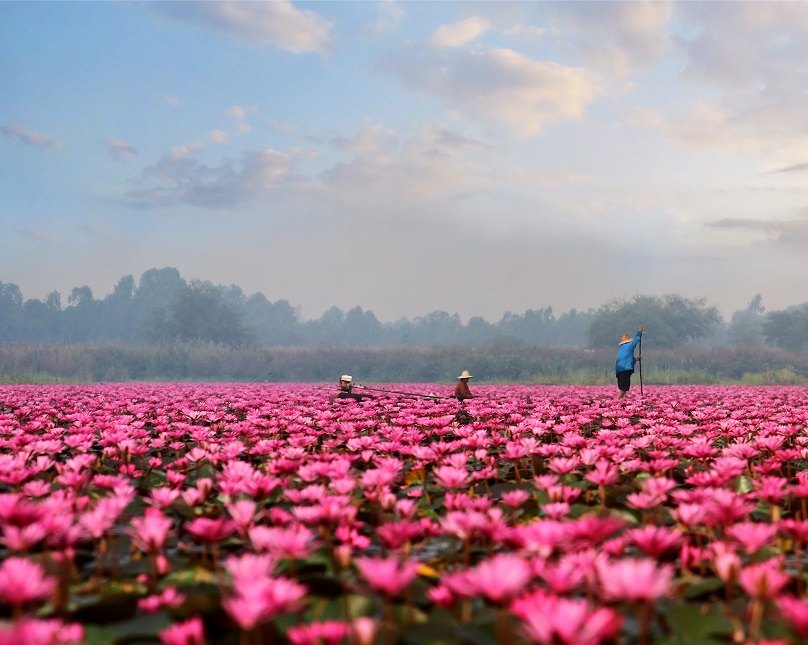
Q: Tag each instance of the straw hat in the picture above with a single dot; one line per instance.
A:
(625, 338)
(465, 374)
(346, 378)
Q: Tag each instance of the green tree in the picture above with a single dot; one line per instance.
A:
(272, 323)
(201, 312)
(156, 291)
(11, 313)
(118, 313)
(327, 329)
(670, 320)
(788, 329)
(80, 317)
(746, 325)
(361, 328)
(437, 328)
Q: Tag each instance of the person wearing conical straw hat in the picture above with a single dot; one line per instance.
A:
(462, 391)
(624, 366)
(346, 390)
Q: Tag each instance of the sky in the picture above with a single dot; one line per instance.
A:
(408, 157)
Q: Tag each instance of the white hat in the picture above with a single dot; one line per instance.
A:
(345, 377)
(465, 374)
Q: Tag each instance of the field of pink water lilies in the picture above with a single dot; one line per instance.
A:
(255, 513)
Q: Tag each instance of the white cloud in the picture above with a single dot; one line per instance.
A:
(238, 115)
(278, 22)
(371, 140)
(217, 136)
(388, 16)
(616, 36)
(36, 233)
(179, 178)
(526, 33)
(501, 84)
(703, 127)
(436, 163)
(98, 230)
(762, 52)
(459, 33)
(23, 135)
(120, 150)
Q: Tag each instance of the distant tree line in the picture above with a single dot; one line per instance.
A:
(197, 361)
(163, 307)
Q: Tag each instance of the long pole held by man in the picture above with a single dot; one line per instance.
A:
(639, 350)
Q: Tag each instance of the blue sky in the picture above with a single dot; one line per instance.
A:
(406, 157)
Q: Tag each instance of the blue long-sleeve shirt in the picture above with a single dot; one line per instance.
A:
(625, 355)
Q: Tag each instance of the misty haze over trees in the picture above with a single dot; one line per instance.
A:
(165, 327)
(163, 307)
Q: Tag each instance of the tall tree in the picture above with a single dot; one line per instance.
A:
(201, 312)
(10, 310)
(746, 325)
(670, 320)
(788, 329)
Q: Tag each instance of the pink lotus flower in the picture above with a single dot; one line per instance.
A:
(497, 579)
(634, 580)
(162, 497)
(752, 536)
(23, 581)
(169, 597)
(243, 513)
(189, 632)
(363, 630)
(394, 535)
(564, 465)
(689, 514)
(249, 567)
(561, 577)
(540, 538)
(451, 477)
(644, 501)
(604, 474)
(328, 632)
(258, 599)
(388, 575)
(763, 581)
(795, 611)
(797, 529)
(23, 538)
(515, 498)
(30, 631)
(551, 620)
(463, 525)
(206, 529)
(150, 531)
(294, 542)
(655, 540)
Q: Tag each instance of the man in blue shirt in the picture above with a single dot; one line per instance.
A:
(624, 367)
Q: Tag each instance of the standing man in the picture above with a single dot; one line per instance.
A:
(624, 367)
(462, 391)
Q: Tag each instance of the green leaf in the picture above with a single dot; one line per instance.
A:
(743, 485)
(702, 587)
(139, 629)
(697, 625)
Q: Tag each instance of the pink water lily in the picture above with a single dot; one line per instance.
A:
(387, 575)
(550, 620)
(634, 580)
(550, 494)
(23, 581)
